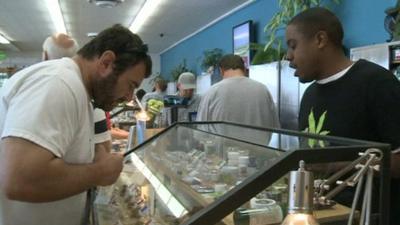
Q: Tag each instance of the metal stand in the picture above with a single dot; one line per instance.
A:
(372, 158)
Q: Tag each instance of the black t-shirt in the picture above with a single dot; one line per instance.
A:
(363, 104)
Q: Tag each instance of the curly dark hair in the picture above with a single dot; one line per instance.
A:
(127, 46)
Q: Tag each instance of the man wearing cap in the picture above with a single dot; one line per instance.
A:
(237, 98)
(186, 85)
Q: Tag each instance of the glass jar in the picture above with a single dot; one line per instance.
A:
(265, 211)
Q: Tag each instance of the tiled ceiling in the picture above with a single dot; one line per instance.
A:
(27, 22)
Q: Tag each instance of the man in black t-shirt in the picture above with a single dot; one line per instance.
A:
(353, 99)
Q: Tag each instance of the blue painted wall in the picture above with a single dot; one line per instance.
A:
(362, 22)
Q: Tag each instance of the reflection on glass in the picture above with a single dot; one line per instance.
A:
(208, 166)
(274, 140)
(190, 166)
(187, 169)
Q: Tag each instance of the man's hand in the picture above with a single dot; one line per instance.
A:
(109, 166)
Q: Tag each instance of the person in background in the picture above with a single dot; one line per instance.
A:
(46, 125)
(224, 101)
(116, 132)
(60, 45)
(186, 86)
(357, 99)
(160, 86)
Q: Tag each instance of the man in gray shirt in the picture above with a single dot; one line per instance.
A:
(237, 98)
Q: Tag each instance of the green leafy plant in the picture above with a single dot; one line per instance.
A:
(316, 129)
(392, 21)
(262, 57)
(211, 58)
(288, 9)
(181, 68)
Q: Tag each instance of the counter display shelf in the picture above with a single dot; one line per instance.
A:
(220, 173)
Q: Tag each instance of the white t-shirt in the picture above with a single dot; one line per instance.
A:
(47, 104)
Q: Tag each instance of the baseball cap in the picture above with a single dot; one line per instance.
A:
(187, 80)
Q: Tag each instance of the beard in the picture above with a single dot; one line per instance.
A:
(104, 92)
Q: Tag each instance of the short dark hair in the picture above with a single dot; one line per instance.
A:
(231, 61)
(162, 84)
(127, 46)
(317, 19)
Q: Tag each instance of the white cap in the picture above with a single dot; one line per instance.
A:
(187, 80)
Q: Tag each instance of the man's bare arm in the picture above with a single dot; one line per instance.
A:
(29, 172)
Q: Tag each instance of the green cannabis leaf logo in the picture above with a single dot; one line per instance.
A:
(316, 129)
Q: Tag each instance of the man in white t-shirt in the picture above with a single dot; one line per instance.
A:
(47, 156)
(61, 45)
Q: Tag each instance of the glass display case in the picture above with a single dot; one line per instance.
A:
(207, 173)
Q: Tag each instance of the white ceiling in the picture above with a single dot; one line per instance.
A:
(27, 22)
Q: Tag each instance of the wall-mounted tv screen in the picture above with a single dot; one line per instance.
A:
(243, 35)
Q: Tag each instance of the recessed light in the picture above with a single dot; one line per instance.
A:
(106, 3)
(92, 34)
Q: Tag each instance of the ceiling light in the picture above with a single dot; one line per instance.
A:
(56, 15)
(147, 10)
(3, 40)
(106, 3)
(92, 34)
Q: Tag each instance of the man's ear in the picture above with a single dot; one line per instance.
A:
(321, 38)
(221, 71)
(106, 62)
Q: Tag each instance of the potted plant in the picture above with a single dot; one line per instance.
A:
(267, 56)
(210, 59)
(289, 8)
(180, 68)
(392, 22)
